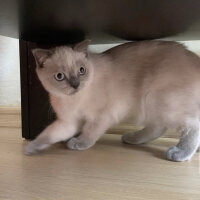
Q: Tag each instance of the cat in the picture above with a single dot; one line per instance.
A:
(152, 83)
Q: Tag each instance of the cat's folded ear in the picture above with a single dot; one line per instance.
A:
(41, 55)
(82, 46)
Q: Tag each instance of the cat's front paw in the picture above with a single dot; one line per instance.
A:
(34, 147)
(78, 144)
(31, 148)
(177, 154)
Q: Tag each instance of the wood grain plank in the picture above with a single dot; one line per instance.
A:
(108, 171)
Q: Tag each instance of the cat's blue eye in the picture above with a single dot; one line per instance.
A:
(82, 71)
(59, 76)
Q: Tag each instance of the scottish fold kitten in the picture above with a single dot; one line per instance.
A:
(152, 83)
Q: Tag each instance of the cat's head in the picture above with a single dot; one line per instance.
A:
(63, 70)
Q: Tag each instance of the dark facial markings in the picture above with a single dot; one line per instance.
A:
(74, 82)
(73, 79)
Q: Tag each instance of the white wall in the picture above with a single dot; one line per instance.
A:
(10, 71)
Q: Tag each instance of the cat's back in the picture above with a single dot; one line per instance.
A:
(145, 48)
(152, 54)
(158, 63)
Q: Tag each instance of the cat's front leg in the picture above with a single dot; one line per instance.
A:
(91, 132)
(57, 131)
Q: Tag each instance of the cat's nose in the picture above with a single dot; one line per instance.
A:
(74, 82)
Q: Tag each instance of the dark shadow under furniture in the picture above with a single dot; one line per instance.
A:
(41, 23)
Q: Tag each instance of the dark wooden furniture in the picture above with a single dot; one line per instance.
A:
(42, 23)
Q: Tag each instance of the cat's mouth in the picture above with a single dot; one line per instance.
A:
(72, 92)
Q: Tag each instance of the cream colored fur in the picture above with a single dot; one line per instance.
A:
(155, 84)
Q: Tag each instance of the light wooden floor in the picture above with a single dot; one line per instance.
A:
(108, 171)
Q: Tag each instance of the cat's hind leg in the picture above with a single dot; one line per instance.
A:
(145, 135)
(187, 145)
